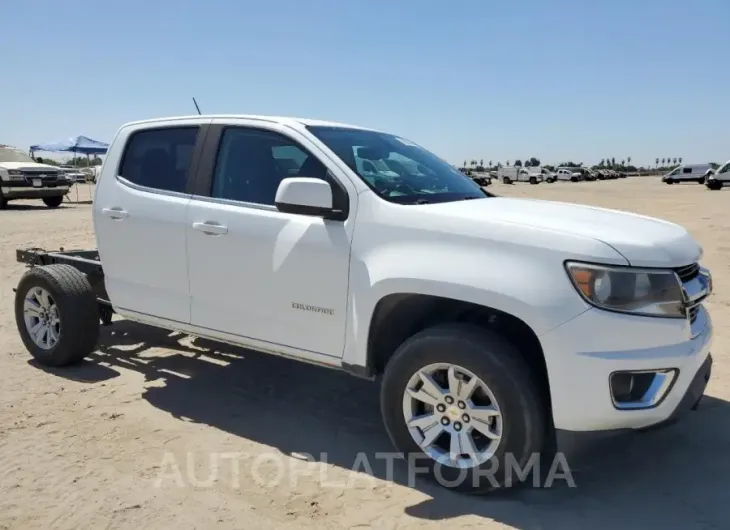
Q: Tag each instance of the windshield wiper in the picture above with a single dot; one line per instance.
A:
(421, 201)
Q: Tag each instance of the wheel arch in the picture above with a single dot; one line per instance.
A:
(398, 316)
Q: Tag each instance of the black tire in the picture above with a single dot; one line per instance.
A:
(573, 179)
(669, 181)
(3, 202)
(714, 185)
(701, 180)
(53, 202)
(550, 180)
(78, 313)
(533, 180)
(496, 362)
(506, 180)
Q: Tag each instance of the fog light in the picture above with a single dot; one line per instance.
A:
(641, 389)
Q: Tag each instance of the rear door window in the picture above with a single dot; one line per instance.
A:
(159, 158)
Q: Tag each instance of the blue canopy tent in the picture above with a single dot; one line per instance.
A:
(78, 144)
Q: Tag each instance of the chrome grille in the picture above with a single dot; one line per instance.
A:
(696, 287)
(688, 272)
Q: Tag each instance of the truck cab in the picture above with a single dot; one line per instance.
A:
(491, 322)
(716, 180)
(568, 174)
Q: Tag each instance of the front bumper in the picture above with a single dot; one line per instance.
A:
(582, 354)
(30, 192)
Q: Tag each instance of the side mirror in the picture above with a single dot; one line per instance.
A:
(304, 196)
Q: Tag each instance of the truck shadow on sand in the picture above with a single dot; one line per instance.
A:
(678, 477)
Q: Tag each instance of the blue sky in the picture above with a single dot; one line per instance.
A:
(555, 79)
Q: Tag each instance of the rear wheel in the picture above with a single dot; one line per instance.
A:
(53, 202)
(507, 180)
(533, 180)
(3, 202)
(57, 315)
(460, 404)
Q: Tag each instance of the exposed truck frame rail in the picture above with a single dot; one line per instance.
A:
(86, 261)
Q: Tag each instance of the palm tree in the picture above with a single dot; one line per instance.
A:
(613, 162)
(663, 159)
(481, 162)
(464, 163)
(623, 163)
(657, 162)
(628, 160)
(675, 161)
(507, 163)
(490, 164)
(603, 161)
(680, 159)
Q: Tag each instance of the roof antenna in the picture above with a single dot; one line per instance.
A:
(196, 106)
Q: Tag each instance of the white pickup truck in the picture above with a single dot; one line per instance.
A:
(493, 322)
(21, 177)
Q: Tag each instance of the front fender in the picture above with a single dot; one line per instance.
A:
(537, 290)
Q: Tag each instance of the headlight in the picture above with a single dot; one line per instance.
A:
(14, 174)
(649, 292)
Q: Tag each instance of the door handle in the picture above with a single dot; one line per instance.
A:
(210, 228)
(115, 213)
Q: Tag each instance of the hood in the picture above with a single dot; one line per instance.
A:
(644, 241)
(27, 165)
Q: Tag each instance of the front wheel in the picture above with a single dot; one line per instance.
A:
(53, 202)
(669, 181)
(714, 184)
(550, 180)
(701, 180)
(56, 314)
(533, 180)
(460, 404)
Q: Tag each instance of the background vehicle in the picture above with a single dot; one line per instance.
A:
(687, 173)
(339, 263)
(566, 173)
(716, 180)
(585, 173)
(510, 174)
(73, 173)
(21, 177)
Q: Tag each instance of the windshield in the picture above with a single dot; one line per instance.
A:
(396, 169)
(724, 169)
(14, 155)
(673, 172)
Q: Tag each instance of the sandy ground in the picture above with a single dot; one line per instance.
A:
(100, 445)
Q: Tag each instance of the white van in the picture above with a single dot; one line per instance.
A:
(719, 178)
(510, 174)
(688, 173)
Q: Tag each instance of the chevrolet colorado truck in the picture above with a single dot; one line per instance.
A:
(491, 322)
(21, 177)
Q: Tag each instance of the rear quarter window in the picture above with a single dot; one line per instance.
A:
(159, 158)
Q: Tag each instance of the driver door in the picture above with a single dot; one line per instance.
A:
(255, 272)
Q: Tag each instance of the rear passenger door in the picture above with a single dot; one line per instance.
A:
(139, 217)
